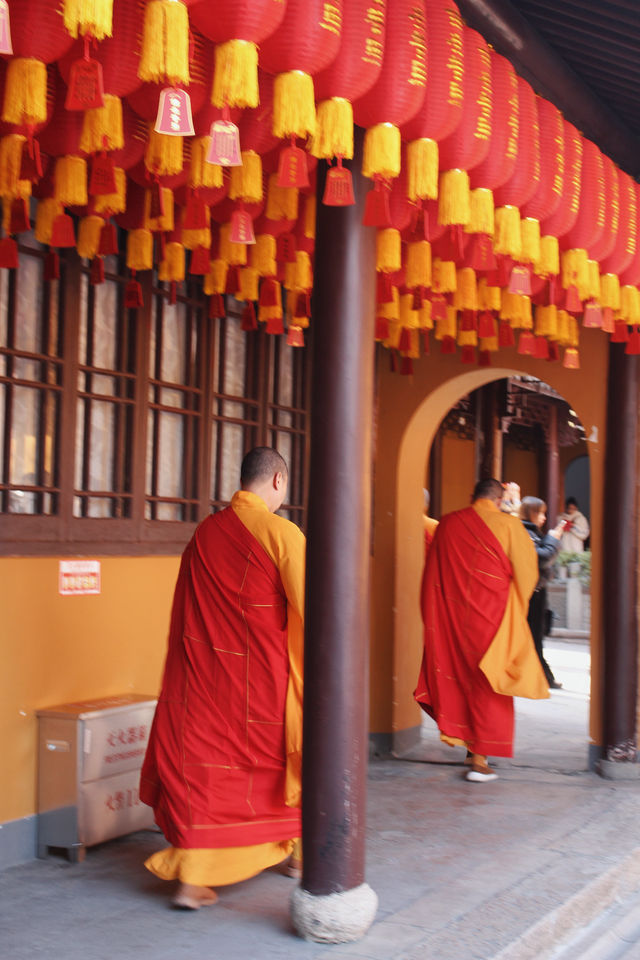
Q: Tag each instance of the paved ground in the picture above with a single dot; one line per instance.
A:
(463, 871)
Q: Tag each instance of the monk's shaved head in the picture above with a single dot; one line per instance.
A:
(488, 489)
(260, 465)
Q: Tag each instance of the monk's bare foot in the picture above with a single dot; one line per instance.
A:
(192, 897)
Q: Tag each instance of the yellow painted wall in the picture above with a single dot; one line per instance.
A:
(409, 412)
(522, 467)
(59, 649)
(458, 466)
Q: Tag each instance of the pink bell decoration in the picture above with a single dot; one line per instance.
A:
(174, 113)
(6, 47)
(225, 144)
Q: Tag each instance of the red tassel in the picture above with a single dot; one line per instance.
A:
(216, 307)
(406, 367)
(541, 349)
(620, 333)
(8, 253)
(419, 223)
(426, 343)
(468, 320)
(156, 201)
(268, 292)
(295, 337)
(292, 167)
(405, 340)
(286, 248)
(484, 358)
(505, 335)
(382, 328)
(248, 321)
(274, 325)
(173, 292)
(376, 211)
(479, 254)
(103, 177)
(338, 188)
(108, 243)
(447, 345)
(232, 285)
(438, 307)
(468, 354)
(19, 216)
(607, 320)
(96, 273)
(500, 276)
(51, 266)
(572, 303)
(199, 265)
(592, 316)
(633, 344)
(554, 353)
(520, 280)
(30, 161)
(418, 298)
(62, 232)
(486, 324)
(133, 295)
(451, 243)
(527, 344)
(303, 305)
(195, 214)
(384, 288)
(86, 88)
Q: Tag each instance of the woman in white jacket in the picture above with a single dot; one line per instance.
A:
(576, 528)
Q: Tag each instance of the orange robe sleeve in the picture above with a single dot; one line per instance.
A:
(285, 544)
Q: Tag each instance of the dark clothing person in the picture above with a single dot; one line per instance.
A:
(546, 547)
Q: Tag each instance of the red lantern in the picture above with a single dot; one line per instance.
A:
(547, 197)
(526, 176)
(398, 93)
(623, 253)
(587, 229)
(255, 125)
(62, 134)
(499, 164)
(632, 274)
(567, 211)
(38, 31)
(603, 247)
(135, 139)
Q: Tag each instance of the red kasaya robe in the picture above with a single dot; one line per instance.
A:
(467, 591)
(216, 765)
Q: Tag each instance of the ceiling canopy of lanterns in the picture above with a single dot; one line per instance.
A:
(196, 125)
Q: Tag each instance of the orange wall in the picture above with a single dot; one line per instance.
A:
(521, 467)
(409, 412)
(60, 649)
(458, 466)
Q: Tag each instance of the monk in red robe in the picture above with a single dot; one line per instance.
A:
(222, 769)
(478, 649)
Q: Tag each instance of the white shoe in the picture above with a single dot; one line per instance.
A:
(481, 774)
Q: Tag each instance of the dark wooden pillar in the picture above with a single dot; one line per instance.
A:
(337, 604)
(620, 558)
(488, 435)
(551, 467)
(435, 476)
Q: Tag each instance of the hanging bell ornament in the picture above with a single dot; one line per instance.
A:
(292, 167)
(241, 227)
(174, 113)
(108, 242)
(62, 232)
(103, 178)
(286, 248)
(8, 253)
(30, 161)
(195, 213)
(200, 264)
(520, 280)
(19, 216)
(376, 211)
(86, 86)
(6, 47)
(225, 144)
(338, 189)
(295, 337)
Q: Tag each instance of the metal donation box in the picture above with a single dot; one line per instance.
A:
(89, 760)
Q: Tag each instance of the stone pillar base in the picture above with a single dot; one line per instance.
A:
(335, 918)
(618, 770)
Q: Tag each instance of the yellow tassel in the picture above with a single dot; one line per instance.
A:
(408, 316)
(630, 304)
(249, 283)
(70, 181)
(574, 268)
(304, 272)
(549, 263)
(482, 214)
(426, 321)
(290, 276)
(448, 326)
(201, 173)
(271, 312)
(309, 221)
(530, 240)
(216, 280)
(334, 130)
(467, 338)
(235, 77)
(165, 43)
(10, 160)
(418, 264)
(516, 309)
(112, 203)
(388, 250)
(547, 321)
(574, 335)
(593, 287)
(89, 231)
(489, 298)
(282, 202)
(235, 254)
(263, 255)
(25, 92)
(48, 210)
(395, 331)
(294, 109)
(562, 335)
(454, 200)
(422, 169)
(140, 249)
(489, 344)
(610, 287)
(164, 224)
(164, 155)
(172, 268)
(102, 127)
(414, 349)
(246, 180)
(198, 238)
(507, 239)
(391, 310)
(382, 151)
(92, 18)
(466, 295)
(443, 276)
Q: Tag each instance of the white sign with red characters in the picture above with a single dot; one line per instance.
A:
(79, 577)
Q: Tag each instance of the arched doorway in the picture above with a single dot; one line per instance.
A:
(413, 451)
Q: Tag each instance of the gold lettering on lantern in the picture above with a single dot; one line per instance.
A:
(455, 61)
(483, 127)
(331, 18)
(514, 119)
(615, 210)
(558, 176)
(630, 245)
(575, 179)
(418, 75)
(536, 156)
(374, 43)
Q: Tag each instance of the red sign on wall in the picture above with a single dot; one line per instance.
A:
(79, 577)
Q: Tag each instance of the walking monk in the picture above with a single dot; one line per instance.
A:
(478, 649)
(222, 769)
